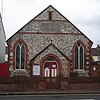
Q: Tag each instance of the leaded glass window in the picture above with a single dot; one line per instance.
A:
(17, 57)
(20, 56)
(79, 56)
(76, 57)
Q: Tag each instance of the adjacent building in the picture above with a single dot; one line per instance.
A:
(95, 53)
(2, 42)
(4, 72)
(95, 62)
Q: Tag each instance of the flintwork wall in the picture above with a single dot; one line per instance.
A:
(37, 42)
(50, 26)
(58, 23)
(44, 15)
(54, 51)
(41, 31)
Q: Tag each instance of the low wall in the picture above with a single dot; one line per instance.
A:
(17, 87)
(81, 83)
(31, 84)
(42, 87)
(87, 86)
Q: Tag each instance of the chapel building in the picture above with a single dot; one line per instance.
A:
(48, 46)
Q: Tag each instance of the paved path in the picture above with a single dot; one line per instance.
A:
(52, 97)
(48, 92)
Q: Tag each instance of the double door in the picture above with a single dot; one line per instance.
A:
(50, 69)
(50, 74)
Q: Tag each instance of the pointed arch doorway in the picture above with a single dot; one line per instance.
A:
(51, 67)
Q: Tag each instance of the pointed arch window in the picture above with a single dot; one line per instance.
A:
(20, 56)
(79, 57)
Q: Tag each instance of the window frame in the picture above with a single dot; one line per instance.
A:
(20, 45)
(55, 69)
(78, 46)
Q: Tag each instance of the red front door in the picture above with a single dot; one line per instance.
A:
(50, 69)
(50, 72)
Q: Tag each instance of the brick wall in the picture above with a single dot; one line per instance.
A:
(81, 83)
(86, 86)
(30, 84)
(18, 87)
(41, 87)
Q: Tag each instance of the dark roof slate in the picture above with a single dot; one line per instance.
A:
(95, 52)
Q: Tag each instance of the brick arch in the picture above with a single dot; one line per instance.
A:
(73, 53)
(57, 60)
(15, 44)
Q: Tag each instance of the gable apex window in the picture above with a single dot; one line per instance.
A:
(50, 15)
(20, 56)
(79, 57)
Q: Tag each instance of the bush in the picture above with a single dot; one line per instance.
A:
(60, 76)
(74, 74)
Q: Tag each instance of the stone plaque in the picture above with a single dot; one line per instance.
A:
(50, 27)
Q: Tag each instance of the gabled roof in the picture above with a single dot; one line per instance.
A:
(59, 14)
(95, 52)
(55, 48)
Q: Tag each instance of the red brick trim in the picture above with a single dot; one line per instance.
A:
(89, 47)
(50, 16)
(68, 69)
(49, 20)
(59, 33)
(56, 58)
(73, 54)
(44, 59)
(18, 41)
(95, 73)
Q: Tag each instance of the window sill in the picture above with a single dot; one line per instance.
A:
(23, 70)
(79, 70)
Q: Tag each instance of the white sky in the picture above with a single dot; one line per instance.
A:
(84, 14)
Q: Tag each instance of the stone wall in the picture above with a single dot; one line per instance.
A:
(37, 42)
(50, 27)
